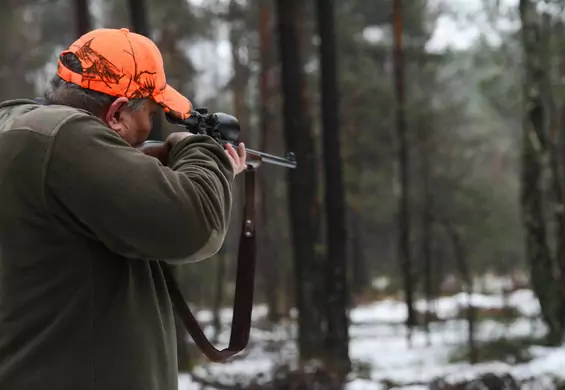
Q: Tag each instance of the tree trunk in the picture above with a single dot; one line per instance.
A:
(239, 81)
(555, 173)
(425, 151)
(268, 199)
(463, 267)
(403, 161)
(534, 150)
(138, 16)
(83, 17)
(303, 185)
(336, 293)
(426, 233)
(359, 272)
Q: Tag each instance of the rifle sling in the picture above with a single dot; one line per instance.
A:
(244, 287)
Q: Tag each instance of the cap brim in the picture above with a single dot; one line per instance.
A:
(174, 103)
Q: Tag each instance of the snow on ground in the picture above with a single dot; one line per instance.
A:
(378, 340)
(392, 311)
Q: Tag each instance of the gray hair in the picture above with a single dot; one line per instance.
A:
(65, 93)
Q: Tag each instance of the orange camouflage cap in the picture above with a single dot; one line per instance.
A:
(121, 63)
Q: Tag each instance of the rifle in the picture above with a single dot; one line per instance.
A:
(225, 129)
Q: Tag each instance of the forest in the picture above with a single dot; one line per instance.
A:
(420, 241)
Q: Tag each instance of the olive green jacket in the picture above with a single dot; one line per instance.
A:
(84, 220)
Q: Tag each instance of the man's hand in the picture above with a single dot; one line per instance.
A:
(237, 158)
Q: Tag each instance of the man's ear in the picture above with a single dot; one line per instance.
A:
(113, 116)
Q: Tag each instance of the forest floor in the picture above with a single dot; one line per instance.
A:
(508, 334)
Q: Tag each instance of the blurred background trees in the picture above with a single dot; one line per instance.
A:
(421, 166)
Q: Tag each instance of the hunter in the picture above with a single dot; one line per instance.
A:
(87, 217)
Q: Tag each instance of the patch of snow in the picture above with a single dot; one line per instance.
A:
(378, 340)
(388, 310)
(362, 384)
(394, 311)
(549, 361)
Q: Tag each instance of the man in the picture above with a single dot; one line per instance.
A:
(86, 217)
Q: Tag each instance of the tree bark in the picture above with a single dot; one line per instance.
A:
(268, 199)
(337, 293)
(403, 161)
(83, 17)
(138, 16)
(239, 81)
(464, 271)
(534, 150)
(359, 271)
(302, 186)
(426, 230)
(555, 167)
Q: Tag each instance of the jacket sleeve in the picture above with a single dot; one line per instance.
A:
(105, 189)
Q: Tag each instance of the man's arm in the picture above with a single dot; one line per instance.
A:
(134, 205)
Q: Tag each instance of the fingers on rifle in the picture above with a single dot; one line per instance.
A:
(237, 157)
(232, 155)
(242, 154)
(232, 152)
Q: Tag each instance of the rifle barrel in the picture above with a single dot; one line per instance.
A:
(254, 157)
(289, 161)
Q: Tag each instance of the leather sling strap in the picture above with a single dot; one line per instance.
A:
(244, 287)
